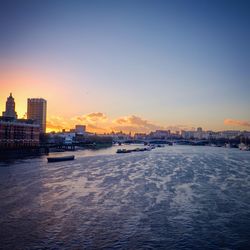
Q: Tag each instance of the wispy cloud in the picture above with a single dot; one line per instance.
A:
(96, 122)
(180, 127)
(57, 123)
(134, 124)
(92, 117)
(233, 122)
(96, 129)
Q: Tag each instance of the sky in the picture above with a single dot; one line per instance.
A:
(135, 66)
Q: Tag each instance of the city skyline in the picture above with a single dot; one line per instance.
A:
(129, 65)
(134, 123)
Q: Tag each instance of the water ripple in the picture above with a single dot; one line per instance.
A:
(172, 197)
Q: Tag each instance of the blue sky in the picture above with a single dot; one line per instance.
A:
(169, 62)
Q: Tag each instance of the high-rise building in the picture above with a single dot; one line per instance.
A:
(10, 108)
(37, 109)
(199, 129)
(80, 129)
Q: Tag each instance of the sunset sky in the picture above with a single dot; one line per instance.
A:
(129, 65)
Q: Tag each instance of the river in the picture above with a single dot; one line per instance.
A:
(176, 197)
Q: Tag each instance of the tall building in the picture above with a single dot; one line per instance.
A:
(80, 129)
(37, 109)
(199, 129)
(10, 108)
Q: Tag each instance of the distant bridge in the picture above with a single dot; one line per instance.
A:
(162, 141)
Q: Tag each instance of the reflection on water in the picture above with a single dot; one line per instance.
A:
(179, 197)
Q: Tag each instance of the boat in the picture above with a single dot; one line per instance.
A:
(119, 151)
(123, 151)
(228, 145)
(62, 158)
(244, 147)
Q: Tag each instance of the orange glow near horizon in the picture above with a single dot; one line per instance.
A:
(24, 84)
(67, 109)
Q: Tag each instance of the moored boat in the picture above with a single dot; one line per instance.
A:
(62, 158)
(133, 150)
(123, 151)
(244, 147)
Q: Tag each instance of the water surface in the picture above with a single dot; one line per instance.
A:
(179, 197)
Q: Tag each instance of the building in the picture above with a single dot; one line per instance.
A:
(80, 129)
(199, 129)
(229, 134)
(246, 134)
(16, 134)
(10, 108)
(37, 109)
(140, 136)
(188, 134)
(160, 134)
(118, 136)
(66, 137)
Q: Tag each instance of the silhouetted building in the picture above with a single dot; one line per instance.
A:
(80, 129)
(16, 134)
(199, 129)
(140, 136)
(37, 109)
(10, 108)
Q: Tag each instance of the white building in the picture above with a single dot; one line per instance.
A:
(160, 134)
(229, 134)
(67, 137)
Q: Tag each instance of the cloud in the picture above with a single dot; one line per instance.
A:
(92, 117)
(121, 121)
(180, 127)
(233, 122)
(96, 122)
(57, 123)
(134, 124)
(93, 128)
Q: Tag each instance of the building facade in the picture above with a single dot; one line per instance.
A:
(160, 134)
(80, 129)
(16, 134)
(10, 108)
(37, 111)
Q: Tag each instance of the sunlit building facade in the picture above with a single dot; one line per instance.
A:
(16, 134)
